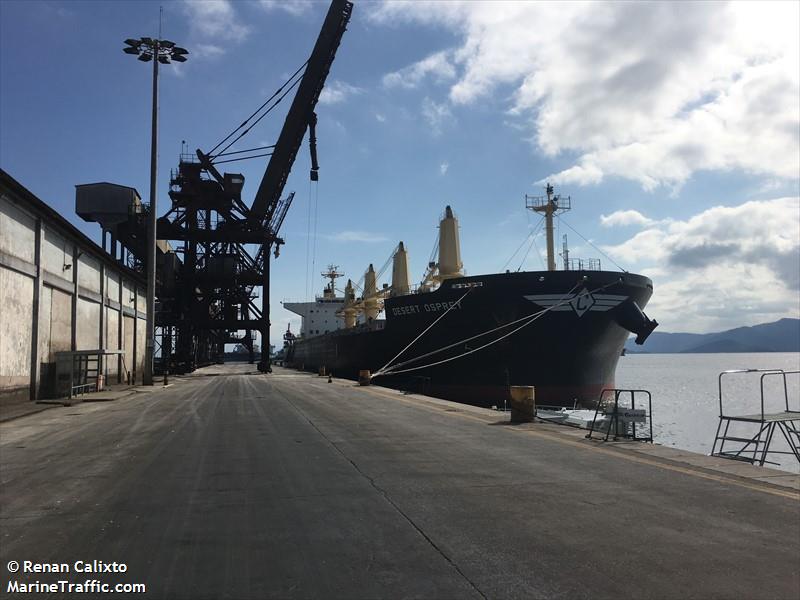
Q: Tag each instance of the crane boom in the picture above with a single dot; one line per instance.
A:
(301, 112)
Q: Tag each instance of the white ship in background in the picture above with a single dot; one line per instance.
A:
(320, 316)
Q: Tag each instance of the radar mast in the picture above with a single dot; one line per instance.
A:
(550, 205)
(333, 274)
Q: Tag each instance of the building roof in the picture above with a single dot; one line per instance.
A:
(52, 217)
(127, 187)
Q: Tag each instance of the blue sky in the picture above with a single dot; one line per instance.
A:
(674, 127)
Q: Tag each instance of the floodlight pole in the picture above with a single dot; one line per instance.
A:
(158, 51)
(150, 336)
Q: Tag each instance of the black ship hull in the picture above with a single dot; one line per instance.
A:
(561, 332)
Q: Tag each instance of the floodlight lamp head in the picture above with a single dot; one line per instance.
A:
(179, 50)
(132, 42)
(179, 58)
(130, 50)
(163, 59)
(145, 57)
(166, 44)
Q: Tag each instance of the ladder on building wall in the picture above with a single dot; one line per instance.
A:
(81, 371)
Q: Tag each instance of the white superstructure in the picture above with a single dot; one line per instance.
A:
(318, 317)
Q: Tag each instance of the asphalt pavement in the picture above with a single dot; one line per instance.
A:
(233, 484)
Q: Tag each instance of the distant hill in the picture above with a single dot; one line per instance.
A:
(780, 336)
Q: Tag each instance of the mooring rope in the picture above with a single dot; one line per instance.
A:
(391, 371)
(530, 319)
(414, 341)
(464, 341)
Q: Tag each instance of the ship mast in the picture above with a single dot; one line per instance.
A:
(331, 273)
(550, 205)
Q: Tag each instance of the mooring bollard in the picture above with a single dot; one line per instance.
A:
(363, 377)
(522, 403)
(330, 378)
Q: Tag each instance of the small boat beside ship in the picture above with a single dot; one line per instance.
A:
(468, 338)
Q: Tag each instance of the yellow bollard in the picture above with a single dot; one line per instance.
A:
(522, 403)
(364, 377)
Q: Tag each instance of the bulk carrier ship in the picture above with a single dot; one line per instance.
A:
(468, 338)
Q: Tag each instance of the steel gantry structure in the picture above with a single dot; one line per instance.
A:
(208, 286)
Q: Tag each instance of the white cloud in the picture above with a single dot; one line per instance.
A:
(54, 10)
(356, 236)
(436, 114)
(443, 167)
(380, 118)
(438, 66)
(336, 92)
(215, 20)
(207, 51)
(625, 217)
(723, 268)
(648, 91)
(293, 7)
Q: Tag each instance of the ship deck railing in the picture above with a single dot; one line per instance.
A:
(756, 444)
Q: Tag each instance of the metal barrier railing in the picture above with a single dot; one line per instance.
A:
(755, 448)
(622, 420)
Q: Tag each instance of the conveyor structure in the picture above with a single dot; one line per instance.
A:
(208, 285)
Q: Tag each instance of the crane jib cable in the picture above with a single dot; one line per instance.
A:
(267, 101)
(389, 261)
(315, 186)
(266, 112)
(532, 232)
(243, 151)
(309, 275)
(230, 160)
(528, 251)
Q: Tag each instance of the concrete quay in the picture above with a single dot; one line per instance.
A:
(232, 484)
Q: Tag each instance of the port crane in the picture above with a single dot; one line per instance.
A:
(208, 286)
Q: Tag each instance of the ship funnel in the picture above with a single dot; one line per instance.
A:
(630, 316)
(450, 264)
(371, 308)
(401, 284)
(349, 310)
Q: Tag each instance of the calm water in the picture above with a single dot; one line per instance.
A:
(686, 397)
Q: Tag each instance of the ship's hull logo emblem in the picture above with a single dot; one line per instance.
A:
(580, 302)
